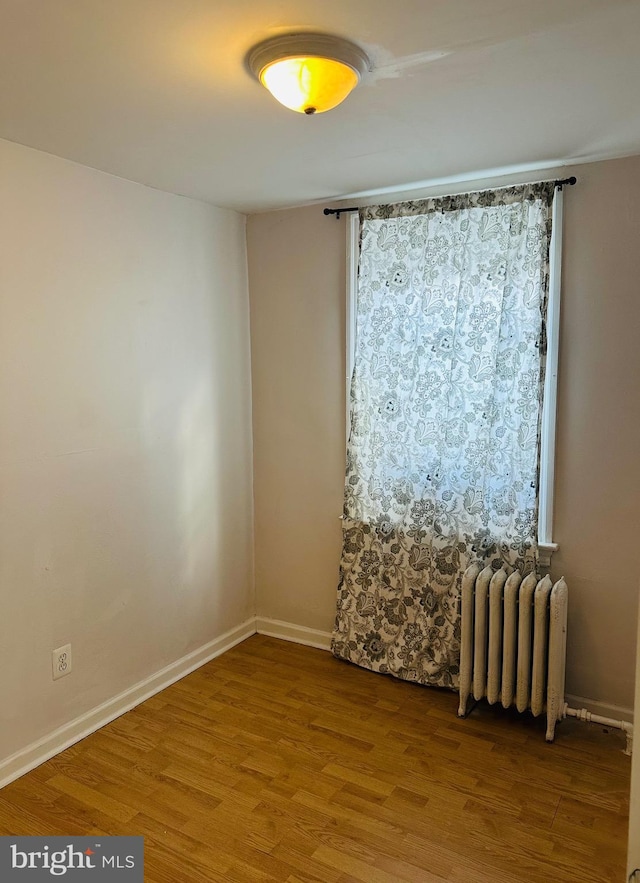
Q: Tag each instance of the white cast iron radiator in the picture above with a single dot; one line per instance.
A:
(514, 642)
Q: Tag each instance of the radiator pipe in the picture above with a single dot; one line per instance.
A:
(584, 715)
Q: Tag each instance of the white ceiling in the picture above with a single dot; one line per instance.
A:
(156, 91)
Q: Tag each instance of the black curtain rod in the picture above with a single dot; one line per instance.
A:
(560, 183)
(338, 211)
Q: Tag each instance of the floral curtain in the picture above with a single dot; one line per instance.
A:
(446, 402)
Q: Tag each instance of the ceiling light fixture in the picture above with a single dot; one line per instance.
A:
(308, 73)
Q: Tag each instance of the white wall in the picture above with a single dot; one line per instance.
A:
(125, 435)
(297, 272)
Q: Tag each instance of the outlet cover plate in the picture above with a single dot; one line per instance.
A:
(61, 661)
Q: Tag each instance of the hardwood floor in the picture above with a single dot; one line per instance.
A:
(276, 762)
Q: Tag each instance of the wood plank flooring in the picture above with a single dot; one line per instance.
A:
(276, 762)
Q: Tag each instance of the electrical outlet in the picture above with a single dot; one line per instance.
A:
(61, 659)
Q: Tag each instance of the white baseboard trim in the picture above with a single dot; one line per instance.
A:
(615, 712)
(288, 631)
(38, 752)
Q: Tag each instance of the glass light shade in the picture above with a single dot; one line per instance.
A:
(309, 84)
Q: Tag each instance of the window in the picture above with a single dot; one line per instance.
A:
(546, 546)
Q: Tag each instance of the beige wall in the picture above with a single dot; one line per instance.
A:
(296, 272)
(125, 435)
(597, 512)
(633, 859)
